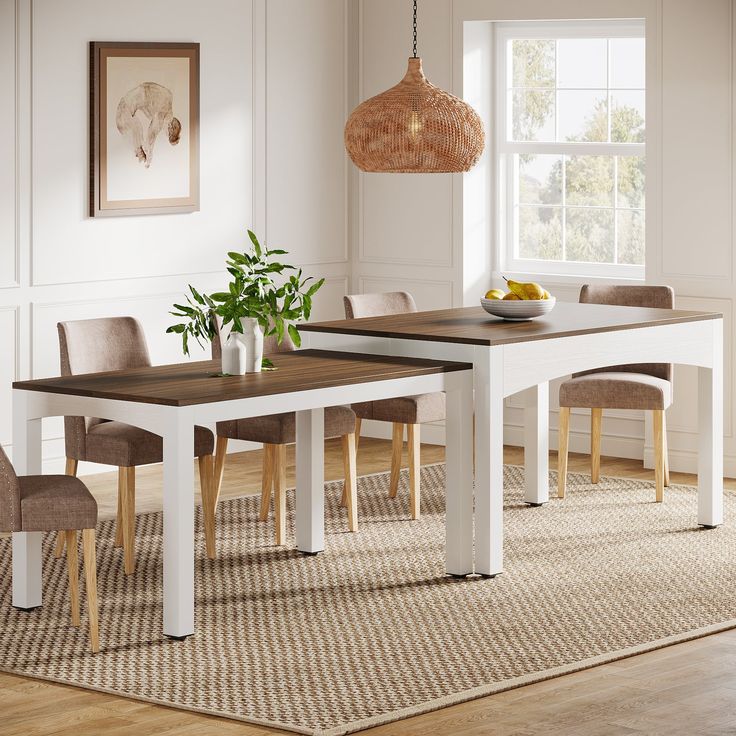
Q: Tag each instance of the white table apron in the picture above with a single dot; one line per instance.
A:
(502, 370)
(176, 426)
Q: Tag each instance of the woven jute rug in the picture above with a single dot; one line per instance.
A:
(371, 631)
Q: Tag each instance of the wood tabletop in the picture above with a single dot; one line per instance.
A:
(187, 384)
(473, 325)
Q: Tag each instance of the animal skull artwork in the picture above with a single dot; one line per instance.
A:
(142, 113)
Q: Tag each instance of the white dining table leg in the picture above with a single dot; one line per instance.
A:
(27, 572)
(459, 474)
(710, 435)
(310, 481)
(536, 444)
(179, 524)
(488, 384)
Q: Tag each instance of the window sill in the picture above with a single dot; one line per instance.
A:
(562, 278)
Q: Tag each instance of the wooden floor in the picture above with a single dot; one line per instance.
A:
(684, 690)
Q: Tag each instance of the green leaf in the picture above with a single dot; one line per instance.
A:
(294, 335)
(256, 244)
(197, 296)
(314, 288)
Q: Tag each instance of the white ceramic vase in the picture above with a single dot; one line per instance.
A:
(252, 337)
(234, 355)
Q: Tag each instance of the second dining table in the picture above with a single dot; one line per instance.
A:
(522, 357)
(170, 400)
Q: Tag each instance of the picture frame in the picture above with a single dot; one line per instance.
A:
(144, 128)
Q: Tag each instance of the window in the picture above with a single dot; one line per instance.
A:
(571, 147)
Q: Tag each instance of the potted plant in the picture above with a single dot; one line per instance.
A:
(264, 297)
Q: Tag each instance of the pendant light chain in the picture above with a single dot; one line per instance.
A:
(415, 29)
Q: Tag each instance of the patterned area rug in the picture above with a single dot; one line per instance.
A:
(371, 631)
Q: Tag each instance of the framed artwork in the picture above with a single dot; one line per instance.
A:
(144, 128)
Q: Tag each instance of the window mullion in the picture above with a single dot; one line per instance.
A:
(615, 209)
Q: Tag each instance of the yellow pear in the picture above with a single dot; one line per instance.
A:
(511, 297)
(546, 295)
(495, 294)
(526, 290)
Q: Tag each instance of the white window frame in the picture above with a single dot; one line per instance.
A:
(507, 223)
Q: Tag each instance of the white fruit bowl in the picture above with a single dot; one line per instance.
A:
(518, 310)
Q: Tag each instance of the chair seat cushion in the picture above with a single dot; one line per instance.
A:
(280, 429)
(405, 409)
(124, 445)
(616, 390)
(54, 502)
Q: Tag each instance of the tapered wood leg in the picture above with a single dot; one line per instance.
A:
(220, 454)
(207, 488)
(71, 469)
(563, 437)
(396, 449)
(665, 451)
(122, 491)
(659, 454)
(351, 481)
(128, 525)
(596, 416)
(279, 499)
(415, 464)
(72, 564)
(90, 575)
(358, 423)
(266, 481)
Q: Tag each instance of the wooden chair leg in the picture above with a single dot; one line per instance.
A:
(71, 469)
(207, 488)
(596, 417)
(220, 454)
(659, 454)
(351, 480)
(122, 490)
(415, 464)
(665, 451)
(72, 564)
(563, 437)
(396, 450)
(279, 500)
(358, 423)
(128, 508)
(266, 481)
(345, 491)
(90, 575)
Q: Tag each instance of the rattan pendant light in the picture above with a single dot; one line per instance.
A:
(414, 128)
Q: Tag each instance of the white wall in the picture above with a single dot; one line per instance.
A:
(272, 109)
(414, 232)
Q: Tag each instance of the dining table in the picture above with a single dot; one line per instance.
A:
(522, 357)
(170, 400)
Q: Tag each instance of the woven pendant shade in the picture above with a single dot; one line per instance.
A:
(414, 128)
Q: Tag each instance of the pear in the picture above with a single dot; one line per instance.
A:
(546, 295)
(495, 294)
(526, 290)
(511, 297)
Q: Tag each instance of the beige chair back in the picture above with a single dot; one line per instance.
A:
(94, 346)
(658, 297)
(10, 520)
(377, 305)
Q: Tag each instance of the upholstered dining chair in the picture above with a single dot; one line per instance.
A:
(645, 386)
(275, 432)
(406, 411)
(46, 503)
(112, 344)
